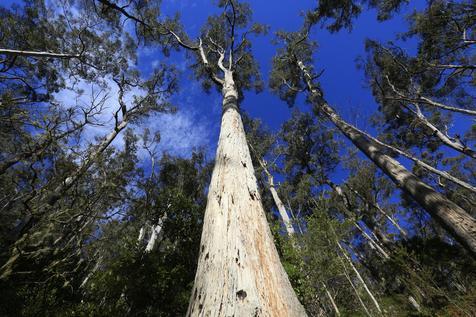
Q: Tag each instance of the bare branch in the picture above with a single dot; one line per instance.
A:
(37, 54)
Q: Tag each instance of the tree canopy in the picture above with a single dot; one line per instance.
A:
(113, 201)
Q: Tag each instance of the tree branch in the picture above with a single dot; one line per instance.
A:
(37, 54)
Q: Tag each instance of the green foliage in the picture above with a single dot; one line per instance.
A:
(228, 33)
(286, 78)
(80, 255)
(342, 12)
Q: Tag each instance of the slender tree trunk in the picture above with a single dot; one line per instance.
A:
(141, 235)
(348, 206)
(278, 202)
(5, 51)
(296, 221)
(75, 176)
(95, 268)
(374, 300)
(445, 139)
(452, 217)
(331, 299)
(155, 234)
(33, 219)
(356, 291)
(421, 163)
(239, 271)
(403, 232)
(88, 162)
(414, 303)
(291, 232)
(372, 242)
(289, 229)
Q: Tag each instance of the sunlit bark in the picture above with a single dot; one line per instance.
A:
(239, 271)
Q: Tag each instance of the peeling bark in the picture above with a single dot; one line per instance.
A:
(239, 271)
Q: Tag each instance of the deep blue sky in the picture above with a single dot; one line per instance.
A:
(343, 84)
(197, 122)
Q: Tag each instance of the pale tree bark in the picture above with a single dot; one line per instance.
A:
(277, 201)
(92, 157)
(155, 234)
(402, 231)
(453, 143)
(414, 303)
(452, 217)
(141, 234)
(430, 102)
(356, 291)
(239, 271)
(426, 101)
(295, 219)
(287, 222)
(5, 51)
(357, 273)
(421, 163)
(331, 299)
(95, 268)
(373, 244)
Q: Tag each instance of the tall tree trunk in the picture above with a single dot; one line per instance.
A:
(155, 234)
(372, 243)
(356, 291)
(452, 217)
(289, 228)
(377, 206)
(277, 201)
(331, 299)
(372, 297)
(421, 163)
(239, 271)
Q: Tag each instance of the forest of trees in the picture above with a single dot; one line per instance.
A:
(318, 218)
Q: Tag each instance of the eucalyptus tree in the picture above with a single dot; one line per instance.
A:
(239, 271)
(293, 72)
(425, 98)
(42, 220)
(51, 264)
(263, 145)
(131, 280)
(336, 15)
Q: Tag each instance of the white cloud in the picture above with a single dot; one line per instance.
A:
(180, 133)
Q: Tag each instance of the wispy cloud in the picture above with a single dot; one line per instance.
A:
(181, 132)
